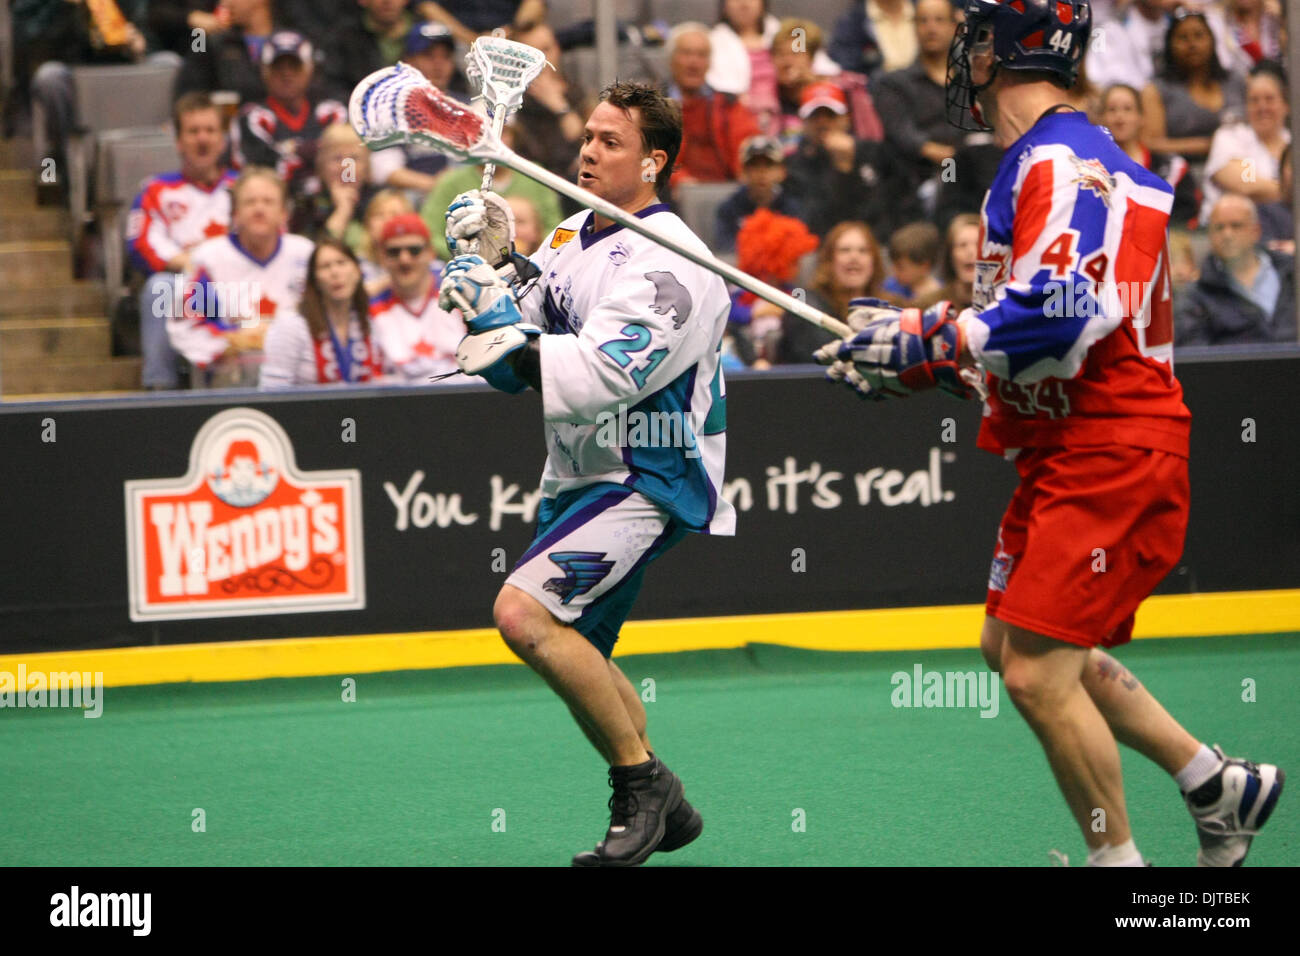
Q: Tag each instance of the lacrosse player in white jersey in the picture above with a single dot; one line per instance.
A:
(622, 337)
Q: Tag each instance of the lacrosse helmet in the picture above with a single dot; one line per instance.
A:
(1049, 36)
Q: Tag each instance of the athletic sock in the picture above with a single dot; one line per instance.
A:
(1125, 854)
(1199, 769)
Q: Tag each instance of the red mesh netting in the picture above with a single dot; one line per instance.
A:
(429, 111)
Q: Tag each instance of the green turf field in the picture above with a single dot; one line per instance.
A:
(287, 773)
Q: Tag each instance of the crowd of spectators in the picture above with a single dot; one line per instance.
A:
(835, 136)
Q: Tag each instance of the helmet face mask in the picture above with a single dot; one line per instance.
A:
(967, 54)
(1046, 36)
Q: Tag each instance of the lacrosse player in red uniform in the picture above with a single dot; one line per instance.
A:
(1072, 330)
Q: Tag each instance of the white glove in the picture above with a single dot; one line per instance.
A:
(483, 224)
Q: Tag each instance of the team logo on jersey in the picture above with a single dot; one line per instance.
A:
(243, 531)
(671, 298)
(1091, 175)
(619, 254)
(583, 570)
(1000, 570)
(562, 236)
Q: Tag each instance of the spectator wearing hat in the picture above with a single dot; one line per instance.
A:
(231, 59)
(762, 171)
(366, 43)
(800, 61)
(431, 49)
(833, 175)
(713, 124)
(415, 336)
(281, 131)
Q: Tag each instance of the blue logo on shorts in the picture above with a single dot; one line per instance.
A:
(583, 570)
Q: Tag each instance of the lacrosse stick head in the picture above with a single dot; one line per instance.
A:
(398, 105)
(501, 70)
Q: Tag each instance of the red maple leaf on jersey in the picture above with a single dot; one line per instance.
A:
(212, 229)
(424, 348)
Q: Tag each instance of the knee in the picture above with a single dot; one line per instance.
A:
(515, 615)
(1030, 688)
(50, 77)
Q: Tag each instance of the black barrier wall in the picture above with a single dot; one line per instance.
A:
(428, 496)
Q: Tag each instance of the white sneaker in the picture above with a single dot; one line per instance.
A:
(1231, 806)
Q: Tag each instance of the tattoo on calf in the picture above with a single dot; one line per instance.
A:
(1108, 667)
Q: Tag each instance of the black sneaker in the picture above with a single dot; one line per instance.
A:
(684, 825)
(644, 797)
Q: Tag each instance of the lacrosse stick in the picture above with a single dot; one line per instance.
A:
(397, 104)
(501, 70)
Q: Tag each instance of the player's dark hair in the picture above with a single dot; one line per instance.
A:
(312, 306)
(191, 103)
(660, 122)
(1172, 71)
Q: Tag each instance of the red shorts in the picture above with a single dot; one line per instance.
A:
(1088, 535)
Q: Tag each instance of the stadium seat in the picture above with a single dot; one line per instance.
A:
(111, 98)
(564, 13)
(674, 12)
(648, 64)
(697, 204)
(824, 13)
(126, 159)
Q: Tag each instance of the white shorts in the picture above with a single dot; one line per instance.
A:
(589, 554)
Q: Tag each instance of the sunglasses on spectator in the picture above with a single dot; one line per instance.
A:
(395, 252)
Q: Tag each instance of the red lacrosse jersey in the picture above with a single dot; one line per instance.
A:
(1072, 317)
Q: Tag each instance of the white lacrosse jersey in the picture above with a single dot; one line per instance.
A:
(227, 288)
(416, 339)
(173, 213)
(632, 388)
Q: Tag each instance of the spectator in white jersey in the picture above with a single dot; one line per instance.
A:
(237, 285)
(326, 340)
(173, 213)
(633, 329)
(416, 335)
